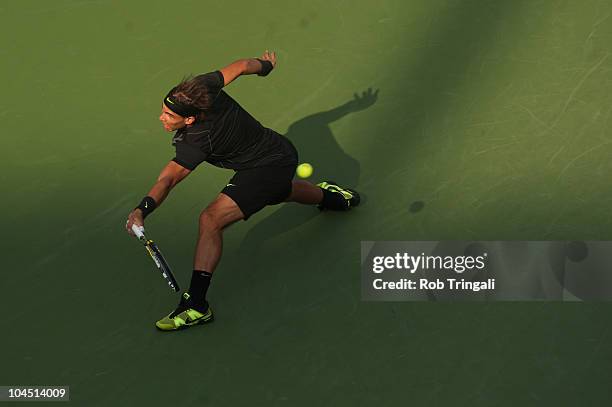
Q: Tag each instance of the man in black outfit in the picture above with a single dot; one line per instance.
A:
(211, 126)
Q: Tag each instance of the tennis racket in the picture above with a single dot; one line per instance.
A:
(157, 257)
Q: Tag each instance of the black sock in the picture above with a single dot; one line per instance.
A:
(334, 201)
(200, 280)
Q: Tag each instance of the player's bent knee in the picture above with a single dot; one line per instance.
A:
(208, 222)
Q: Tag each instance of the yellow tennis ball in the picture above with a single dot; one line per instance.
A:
(304, 170)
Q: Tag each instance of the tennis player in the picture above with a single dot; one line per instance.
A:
(211, 126)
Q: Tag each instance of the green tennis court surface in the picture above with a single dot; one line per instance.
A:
(491, 122)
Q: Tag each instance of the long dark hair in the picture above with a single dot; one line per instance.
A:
(196, 93)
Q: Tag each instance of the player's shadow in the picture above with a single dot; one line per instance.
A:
(316, 145)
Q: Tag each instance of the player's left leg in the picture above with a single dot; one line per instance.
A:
(193, 308)
(222, 212)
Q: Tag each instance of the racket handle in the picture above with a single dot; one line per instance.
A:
(138, 231)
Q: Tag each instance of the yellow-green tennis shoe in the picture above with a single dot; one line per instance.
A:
(185, 315)
(350, 197)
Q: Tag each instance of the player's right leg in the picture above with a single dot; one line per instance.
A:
(305, 192)
(327, 194)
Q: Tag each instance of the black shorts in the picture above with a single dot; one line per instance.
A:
(254, 188)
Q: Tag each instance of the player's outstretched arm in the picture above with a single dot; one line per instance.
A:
(260, 66)
(171, 175)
